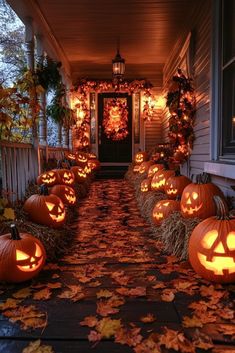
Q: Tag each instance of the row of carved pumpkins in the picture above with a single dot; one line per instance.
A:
(212, 242)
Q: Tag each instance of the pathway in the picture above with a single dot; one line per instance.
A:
(114, 291)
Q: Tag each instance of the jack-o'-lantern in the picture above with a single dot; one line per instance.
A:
(154, 169)
(45, 209)
(65, 193)
(66, 176)
(87, 169)
(136, 168)
(212, 246)
(163, 209)
(22, 256)
(144, 167)
(197, 198)
(159, 179)
(49, 178)
(175, 185)
(79, 174)
(91, 155)
(141, 157)
(81, 159)
(70, 156)
(94, 164)
(146, 185)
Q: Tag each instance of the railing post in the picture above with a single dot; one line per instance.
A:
(59, 135)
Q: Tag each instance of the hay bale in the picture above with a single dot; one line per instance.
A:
(175, 232)
(147, 203)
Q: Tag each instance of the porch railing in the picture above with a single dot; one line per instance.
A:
(20, 165)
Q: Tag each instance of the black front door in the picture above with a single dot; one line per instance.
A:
(115, 146)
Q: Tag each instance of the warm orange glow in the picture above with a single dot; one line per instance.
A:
(209, 239)
(20, 255)
(191, 210)
(158, 215)
(218, 264)
(38, 251)
(61, 211)
(50, 205)
(231, 240)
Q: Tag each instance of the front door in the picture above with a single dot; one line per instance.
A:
(115, 127)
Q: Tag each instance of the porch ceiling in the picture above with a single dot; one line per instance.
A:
(84, 32)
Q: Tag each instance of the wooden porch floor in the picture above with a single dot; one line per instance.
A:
(115, 271)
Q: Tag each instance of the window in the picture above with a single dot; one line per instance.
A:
(227, 111)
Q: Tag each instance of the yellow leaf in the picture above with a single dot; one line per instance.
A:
(192, 321)
(108, 327)
(104, 293)
(9, 304)
(9, 213)
(36, 347)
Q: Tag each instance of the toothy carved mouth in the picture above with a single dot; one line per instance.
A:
(58, 218)
(191, 210)
(158, 215)
(71, 199)
(219, 265)
(30, 268)
(171, 191)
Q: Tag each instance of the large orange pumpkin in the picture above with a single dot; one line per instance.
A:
(212, 246)
(45, 209)
(160, 178)
(175, 185)
(66, 176)
(197, 198)
(141, 157)
(146, 185)
(79, 174)
(49, 178)
(65, 193)
(163, 209)
(22, 256)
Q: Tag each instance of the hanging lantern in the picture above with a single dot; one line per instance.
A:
(118, 66)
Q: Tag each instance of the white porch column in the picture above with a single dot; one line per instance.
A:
(65, 137)
(42, 99)
(29, 43)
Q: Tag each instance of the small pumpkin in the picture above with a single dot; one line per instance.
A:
(146, 185)
(159, 179)
(91, 156)
(94, 164)
(175, 185)
(163, 209)
(81, 159)
(197, 198)
(49, 178)
(70, 156)
(79, 174)
(212, 246)
(136, 168)
(144, 167)
(65, 193)
(22, 256)
(66, 176)
(154, 169)
(141, 157)
(45, 209)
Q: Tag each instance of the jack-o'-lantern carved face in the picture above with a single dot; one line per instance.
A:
(81, 158)
(154, 169)
(145, 185)
(93, 164)
(56, 212)
(79, 173)
(92, 156)
(87, 169)
(221, 255)
(144, 167)
(163, 209)
(170, 190)
(70, 195)
(140, 157)
(70, 156)
(160, 178)
(66, 176)
(65, 193)
(212, 246)
(136, 168)
(29, 262)
(190, 204)
(49, 178)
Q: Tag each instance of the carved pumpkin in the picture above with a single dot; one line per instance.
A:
(49, 178)
(197, 198)
(212, 246)
(175, 185)
(91, 156)
(79, 174)
(22, 256)
(65, 193)
(45, 209)
(154, 169)
(141, 157)
(66, 176)
(163, 209)
(144, 167)
(136, 168)
(94, 164)
(146, 185)
(159, 179)
(70, 156)
(81, 159)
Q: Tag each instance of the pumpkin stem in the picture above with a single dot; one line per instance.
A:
(221, 208)
(43, 190)
(15, 235)
(203, 178)
(177, 172)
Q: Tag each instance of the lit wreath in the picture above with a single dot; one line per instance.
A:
(115, 120)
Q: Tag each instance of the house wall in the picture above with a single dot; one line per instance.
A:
(200, 64)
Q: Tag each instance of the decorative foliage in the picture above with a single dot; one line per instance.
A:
(181, 104)
(212, 246)
(23, 253)
(115, 119)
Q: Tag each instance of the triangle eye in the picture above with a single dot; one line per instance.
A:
(20, 255)
(38, 251)
(50, 205)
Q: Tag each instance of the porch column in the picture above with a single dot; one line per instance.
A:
(65, 137)
(29, 43)
(42, 98)
(59, 135)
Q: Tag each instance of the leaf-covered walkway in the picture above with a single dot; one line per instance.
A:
(115, 292)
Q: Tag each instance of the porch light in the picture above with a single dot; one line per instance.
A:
(118, 66)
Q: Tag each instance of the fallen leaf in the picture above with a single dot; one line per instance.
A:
(167, 295)
(228, 330)
(10, 304)
(74, 293)
(201, 340)
(104, 293)
(108, 327)
(29, 317)
(22, 293)
(43, 294)
(130, 337)
(148, 318)
(172, 339)
(94, 336)
(159, 285)
(193, 321)
(36, 347)
(104, 308)
(54, 285)
(90, 321)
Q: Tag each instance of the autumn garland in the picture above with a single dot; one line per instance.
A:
(115, 120)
